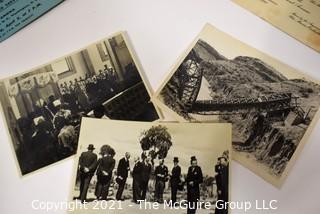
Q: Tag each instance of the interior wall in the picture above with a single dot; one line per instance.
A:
(6, 107)
(12, 100)
(95, 58)
(122, 52)
(80, 69)
(123, 56)
(113, 59)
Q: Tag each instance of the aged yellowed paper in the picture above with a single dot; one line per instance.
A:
(152, 167)
(272, 106)
(298, 18)
(43, 107)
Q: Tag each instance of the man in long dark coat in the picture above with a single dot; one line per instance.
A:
(104, 174)
(175, 179)
(145, 176)
(136, 175)
(161, 173)
(194, 179)
(122, 174)
(222, 181)
(87, 166)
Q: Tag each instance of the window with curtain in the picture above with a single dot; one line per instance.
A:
(63, 67)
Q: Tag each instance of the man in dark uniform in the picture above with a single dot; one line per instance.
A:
(51, 106)
(194, 179)
(175, 179)
(42, 144)
(104, 175)
(222, 181)
(145, 176)
(87, 166)
(136, 175)
(122, 174)
(161, 173)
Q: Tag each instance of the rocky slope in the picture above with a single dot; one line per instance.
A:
(246, 76)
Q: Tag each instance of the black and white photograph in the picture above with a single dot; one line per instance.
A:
(177, 167)
(43, 107)
(272, 107)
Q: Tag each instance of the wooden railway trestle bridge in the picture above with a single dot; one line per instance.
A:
(190, 76)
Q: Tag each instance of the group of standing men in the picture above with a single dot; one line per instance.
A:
(89, 165)
(85, 93)
(141, 173)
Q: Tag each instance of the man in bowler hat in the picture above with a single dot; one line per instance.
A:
(222, 181)
(175, 179)
(194, 179)
(161, 173)
(122, 174)
(87, 166)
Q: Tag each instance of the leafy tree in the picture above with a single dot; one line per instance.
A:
(156, 140)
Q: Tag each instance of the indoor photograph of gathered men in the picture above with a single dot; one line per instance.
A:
(43, 107)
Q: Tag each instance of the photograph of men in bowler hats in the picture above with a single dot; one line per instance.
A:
(156, 163)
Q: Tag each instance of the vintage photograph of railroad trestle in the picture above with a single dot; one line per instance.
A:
(173, 165)
(270, 105)
(43, 107)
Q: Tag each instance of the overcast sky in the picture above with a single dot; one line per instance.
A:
(205, 141)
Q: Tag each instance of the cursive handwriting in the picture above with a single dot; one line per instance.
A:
(304, 22)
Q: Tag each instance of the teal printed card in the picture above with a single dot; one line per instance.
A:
(16, 14)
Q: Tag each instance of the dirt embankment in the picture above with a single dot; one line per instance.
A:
(271, 141)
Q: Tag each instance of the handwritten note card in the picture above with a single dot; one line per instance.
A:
(298, 18)
(16, 14)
